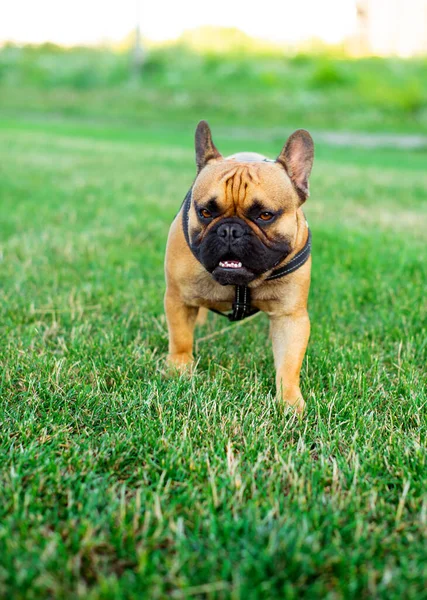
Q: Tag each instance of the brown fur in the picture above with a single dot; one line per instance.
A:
(235, 183)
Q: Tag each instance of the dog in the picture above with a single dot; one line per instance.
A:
(241, 242)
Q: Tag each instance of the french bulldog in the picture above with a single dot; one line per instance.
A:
(241, 242)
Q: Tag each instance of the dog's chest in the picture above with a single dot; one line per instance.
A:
(204, 291)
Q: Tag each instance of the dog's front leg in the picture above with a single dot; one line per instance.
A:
(181, 320)
(289, 335)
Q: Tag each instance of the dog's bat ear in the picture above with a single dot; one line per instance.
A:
(297, 158)
(205, 148)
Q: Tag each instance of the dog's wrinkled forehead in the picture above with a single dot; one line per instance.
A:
(238, 184)
(295, 161)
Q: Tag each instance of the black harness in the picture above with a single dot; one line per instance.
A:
(242, 307)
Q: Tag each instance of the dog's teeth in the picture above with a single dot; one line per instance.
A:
(230, 264)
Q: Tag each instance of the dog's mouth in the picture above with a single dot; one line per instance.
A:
(230, 264)
(231, 271)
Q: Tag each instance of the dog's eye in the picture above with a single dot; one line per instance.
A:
(266, 216)
(205, 213)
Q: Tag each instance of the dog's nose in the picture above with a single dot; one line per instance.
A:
(230, 231)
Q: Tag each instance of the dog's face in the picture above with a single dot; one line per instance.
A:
(243, 213)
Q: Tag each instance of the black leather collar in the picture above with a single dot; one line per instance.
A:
(242, 307)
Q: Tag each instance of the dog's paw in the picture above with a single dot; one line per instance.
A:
(181, 363)
(292, 398)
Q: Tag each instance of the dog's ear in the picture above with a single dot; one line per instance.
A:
(205, 148)
(297, 158)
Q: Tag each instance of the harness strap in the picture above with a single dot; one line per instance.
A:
(298, 260)
(242, 308)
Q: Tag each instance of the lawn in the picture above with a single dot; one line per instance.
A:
(266, 89)
(117, 482)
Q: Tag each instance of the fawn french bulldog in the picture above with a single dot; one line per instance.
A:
(241, 242)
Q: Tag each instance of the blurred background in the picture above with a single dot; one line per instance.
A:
(349, 65)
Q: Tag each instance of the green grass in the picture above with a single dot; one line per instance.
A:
(263, 88)
(116, 482)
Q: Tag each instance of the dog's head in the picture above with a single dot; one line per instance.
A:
(243, 215)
